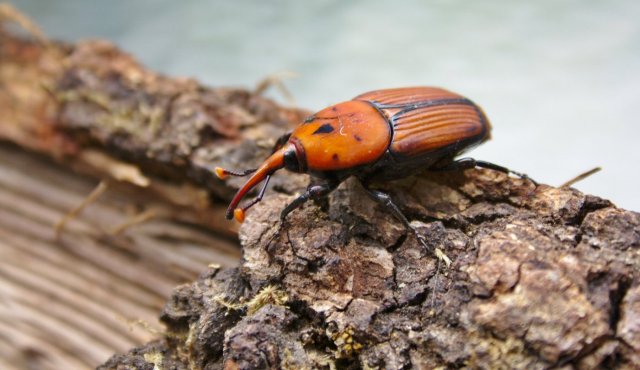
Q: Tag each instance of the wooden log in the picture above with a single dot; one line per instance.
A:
(75, 292)
(97, 109)
(71, 301)
(542, 277)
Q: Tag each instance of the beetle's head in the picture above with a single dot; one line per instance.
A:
(288, 156)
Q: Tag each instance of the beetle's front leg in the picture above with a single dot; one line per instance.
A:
(385, 199)
(466, 163)
(312, 192)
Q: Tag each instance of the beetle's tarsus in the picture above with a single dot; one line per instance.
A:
(274, 234)
(523, 176)
(497, 167)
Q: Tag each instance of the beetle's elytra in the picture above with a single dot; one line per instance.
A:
(382, 134)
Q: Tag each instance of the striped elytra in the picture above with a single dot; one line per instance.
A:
(426, 119)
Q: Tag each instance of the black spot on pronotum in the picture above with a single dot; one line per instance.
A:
(324, 129)
(335, 157)
(358, 138)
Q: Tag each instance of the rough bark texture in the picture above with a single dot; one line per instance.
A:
(541, 277)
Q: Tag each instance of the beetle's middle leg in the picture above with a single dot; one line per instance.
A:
(385, 199)
(466, 163)
(313, 192)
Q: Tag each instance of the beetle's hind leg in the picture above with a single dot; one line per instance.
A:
(385, 199)
(466, 163)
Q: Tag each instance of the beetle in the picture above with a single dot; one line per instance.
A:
(379, 135)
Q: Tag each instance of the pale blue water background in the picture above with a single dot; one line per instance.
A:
(559, 79)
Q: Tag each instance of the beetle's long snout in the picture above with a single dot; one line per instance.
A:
(270, 165)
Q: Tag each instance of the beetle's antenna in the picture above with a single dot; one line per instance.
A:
(238, 213)
(223, 174)
(271, 165)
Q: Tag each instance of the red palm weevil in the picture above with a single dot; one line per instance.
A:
(380, 135)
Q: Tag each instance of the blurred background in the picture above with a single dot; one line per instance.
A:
(559, 79)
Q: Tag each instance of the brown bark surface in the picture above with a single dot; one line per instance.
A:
(541, 276)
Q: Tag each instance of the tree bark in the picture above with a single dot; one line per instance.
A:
(541, 276)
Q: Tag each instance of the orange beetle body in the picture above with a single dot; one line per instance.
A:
(382, 134)
(343, 136)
